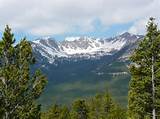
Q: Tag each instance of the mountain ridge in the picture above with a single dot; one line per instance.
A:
(87, 47)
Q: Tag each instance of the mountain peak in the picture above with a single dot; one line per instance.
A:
(130, 36)
(126, 34)
(45, 40)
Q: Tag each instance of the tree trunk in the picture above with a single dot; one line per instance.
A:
(6, 116)
(153, 91)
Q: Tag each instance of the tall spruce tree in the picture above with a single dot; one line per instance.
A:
(19, 89)
(56, 112)
(144, 89)
(53, 113)
(80, 110)
(102, 106)
(65, 113)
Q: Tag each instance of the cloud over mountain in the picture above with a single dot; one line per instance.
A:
(49, 17)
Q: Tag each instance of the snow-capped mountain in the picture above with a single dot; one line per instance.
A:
(79, 62)
(86, 47)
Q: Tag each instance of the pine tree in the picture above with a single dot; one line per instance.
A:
(144, 91)
(79, 110)
(96, 107)
(65, 113)
(102, 106)
(19, 88)
(56, 112)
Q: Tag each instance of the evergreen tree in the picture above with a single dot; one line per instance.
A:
(57, 112)
(65, 113)
(80, 110)
(19, 88)
(95, 106)
(144, 91)
(54, 112)
(102, 106)
(117, 112)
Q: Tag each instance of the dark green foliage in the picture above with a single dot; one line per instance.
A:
(57, 112)
(101, 106)
(54, 112)
(18, 88)
(140, 102)
(65, 114)
(79, 110)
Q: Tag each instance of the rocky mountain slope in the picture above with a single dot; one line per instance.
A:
(85, 47)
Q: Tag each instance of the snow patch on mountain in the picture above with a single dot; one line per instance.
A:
(81, 46)
(72, 38)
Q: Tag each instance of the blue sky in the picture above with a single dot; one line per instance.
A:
(99, 31)
(65, 18)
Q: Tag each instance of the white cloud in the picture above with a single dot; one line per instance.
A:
(46, 17)
(139, 27)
